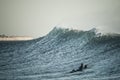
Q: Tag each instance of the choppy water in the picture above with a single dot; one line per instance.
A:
(53, 56)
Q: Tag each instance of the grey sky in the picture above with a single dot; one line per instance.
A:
(37, 17)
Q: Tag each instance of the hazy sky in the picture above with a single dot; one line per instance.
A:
(37, 17)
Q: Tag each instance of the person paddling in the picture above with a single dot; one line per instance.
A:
(80, 68)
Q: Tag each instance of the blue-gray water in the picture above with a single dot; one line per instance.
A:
(53, 56)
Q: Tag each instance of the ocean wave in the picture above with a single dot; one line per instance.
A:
(61, 50)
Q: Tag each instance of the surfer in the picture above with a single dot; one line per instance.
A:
(79, 69)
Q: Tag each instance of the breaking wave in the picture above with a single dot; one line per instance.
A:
(53, 56)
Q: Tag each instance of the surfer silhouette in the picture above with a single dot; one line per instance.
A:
(80, 68)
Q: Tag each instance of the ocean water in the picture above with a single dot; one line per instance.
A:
(53, 56)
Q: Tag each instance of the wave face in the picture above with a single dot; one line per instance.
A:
(53, 56)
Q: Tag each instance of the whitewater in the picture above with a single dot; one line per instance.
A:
(53, 56)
